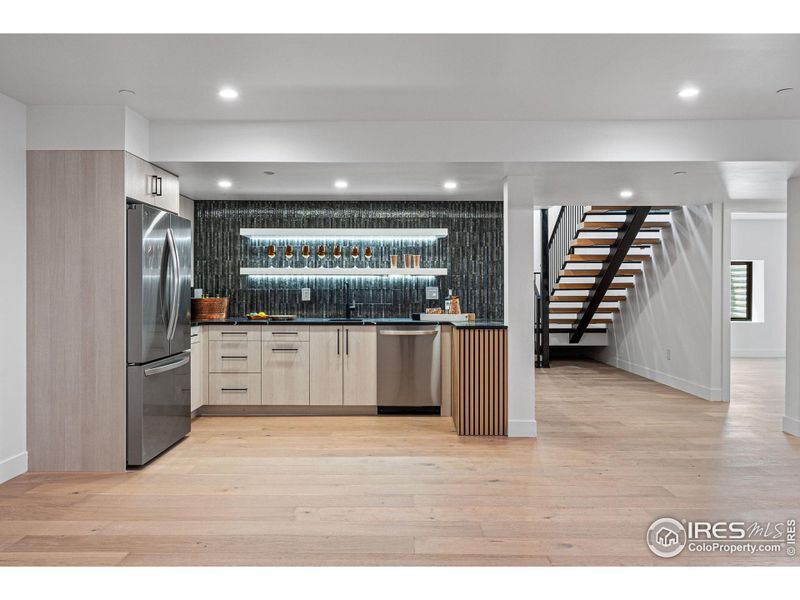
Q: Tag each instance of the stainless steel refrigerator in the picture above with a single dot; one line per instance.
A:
(158, 329)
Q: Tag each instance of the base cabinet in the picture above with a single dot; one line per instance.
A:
(283, 366)
(199, 377)
(285, 373)
(327, 354)
(360, 366)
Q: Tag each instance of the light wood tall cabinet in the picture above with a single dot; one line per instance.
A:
(359, 367)
(76, 310)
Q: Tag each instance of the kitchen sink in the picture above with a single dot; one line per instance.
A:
(344, 320)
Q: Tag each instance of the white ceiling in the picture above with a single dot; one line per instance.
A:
(410, 77)
(555, 183)
(297, 181)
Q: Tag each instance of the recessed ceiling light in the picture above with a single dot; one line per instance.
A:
(785, 90)
(340, 184)
(450, 185)
(228, 94)
(224, 183)
(689, 92)
(680, 173)
(626, 194)
(126, 92)
(269, 172)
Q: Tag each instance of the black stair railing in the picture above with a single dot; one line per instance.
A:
(559, 243)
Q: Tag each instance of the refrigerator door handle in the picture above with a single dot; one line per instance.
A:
(176, 273)
(167, 367)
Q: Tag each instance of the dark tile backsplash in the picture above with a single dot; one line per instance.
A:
(472, 253)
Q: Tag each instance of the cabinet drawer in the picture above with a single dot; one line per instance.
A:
(285, 373)
(285, 333)
(234, 388)
(234, 357)
(234, 333)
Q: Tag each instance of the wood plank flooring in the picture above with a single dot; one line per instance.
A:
(615, 451)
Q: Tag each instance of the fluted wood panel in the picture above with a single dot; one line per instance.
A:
(479, 381)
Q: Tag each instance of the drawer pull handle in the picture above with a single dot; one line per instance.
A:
(233, 357)
(284, 349)
(233, 389)
(233, 333)
(285, 333)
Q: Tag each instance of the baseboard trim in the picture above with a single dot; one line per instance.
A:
(690, 387)
(791, 426)
(263, 410)
(522, 429)
(13, 466)
(776, 353)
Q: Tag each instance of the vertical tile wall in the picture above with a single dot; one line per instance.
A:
(472, 253)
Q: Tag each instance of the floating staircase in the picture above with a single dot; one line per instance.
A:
(592, 256)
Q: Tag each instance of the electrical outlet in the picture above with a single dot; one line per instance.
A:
(431, 292)
(306, 294)
(669, 354)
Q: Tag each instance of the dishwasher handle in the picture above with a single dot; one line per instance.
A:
(401, 332)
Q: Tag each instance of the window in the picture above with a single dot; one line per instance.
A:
(742, 290)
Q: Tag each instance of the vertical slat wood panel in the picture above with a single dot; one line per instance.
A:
(479, 390)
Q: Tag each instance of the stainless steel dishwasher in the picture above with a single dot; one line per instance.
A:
(409, 369)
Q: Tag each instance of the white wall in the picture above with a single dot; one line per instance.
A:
(76, 128)
(672, 309)
(13, 448)
(762, 237)
(791, 418)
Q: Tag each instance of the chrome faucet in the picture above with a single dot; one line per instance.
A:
(350, 306)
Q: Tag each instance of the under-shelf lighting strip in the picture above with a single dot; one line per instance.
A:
(423, 235)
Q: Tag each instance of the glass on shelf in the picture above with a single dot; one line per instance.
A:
(354, 254)
(289, 252)
(368, 254)
(407, 261)
(337, 253)
(393, 261)
(271, 253)
(306, 253)
(321, 254)
(417, 261)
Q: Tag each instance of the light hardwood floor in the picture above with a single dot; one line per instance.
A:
(614, 452)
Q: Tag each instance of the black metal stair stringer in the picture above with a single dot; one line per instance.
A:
(634, 220)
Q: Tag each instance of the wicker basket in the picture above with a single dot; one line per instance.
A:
(209, 309)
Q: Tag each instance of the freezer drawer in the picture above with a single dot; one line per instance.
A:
(159, 406)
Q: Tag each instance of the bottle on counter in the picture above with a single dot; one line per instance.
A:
(447, 301)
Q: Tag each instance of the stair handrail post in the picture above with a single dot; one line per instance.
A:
(546, 290)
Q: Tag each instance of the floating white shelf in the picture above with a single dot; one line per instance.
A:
(344, 234)
(339, 272)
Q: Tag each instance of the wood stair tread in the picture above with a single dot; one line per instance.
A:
(593, 242)
(597, 272)
(607, 298)
(631, 258)
(566, 310)
(616, 225)
(593, 321)
(621, 285)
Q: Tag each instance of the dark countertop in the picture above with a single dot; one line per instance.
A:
(325, 321)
